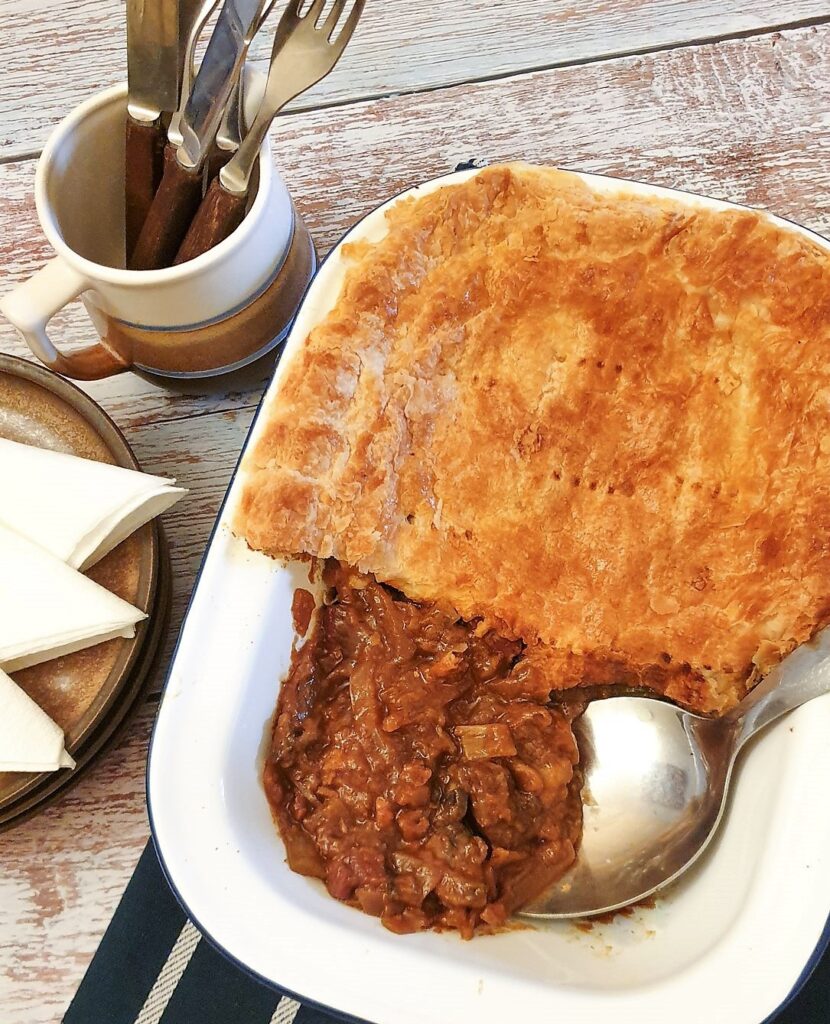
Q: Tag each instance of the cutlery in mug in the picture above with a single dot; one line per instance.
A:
(302, 54)
(180, 191)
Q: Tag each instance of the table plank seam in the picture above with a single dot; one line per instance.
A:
(605, 58)
(611, 55)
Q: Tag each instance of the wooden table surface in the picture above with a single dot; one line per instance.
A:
(729, 98)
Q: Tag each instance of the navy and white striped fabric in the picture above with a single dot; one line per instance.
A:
(153, 967)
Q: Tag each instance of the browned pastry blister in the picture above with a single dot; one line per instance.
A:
(596, 421)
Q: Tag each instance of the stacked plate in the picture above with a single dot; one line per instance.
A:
(91, 693)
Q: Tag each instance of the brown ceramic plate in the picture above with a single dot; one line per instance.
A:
(79, 690)
(129, 700)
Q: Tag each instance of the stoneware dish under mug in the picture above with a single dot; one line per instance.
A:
(216, 313)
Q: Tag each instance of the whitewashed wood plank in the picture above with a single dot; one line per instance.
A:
(54, 54)
(60, 883)
(201, 453)
(63, 873)
(744, 120)
(747, 120)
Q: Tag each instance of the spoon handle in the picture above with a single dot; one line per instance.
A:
(803, 675)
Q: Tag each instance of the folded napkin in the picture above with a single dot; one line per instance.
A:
(48, 609)
(76, 508)
(29, 740)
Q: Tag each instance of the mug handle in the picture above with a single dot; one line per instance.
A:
(32, 305)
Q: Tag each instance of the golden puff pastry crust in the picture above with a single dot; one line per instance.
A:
(597, 421)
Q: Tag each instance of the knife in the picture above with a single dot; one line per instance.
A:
(193, 14)
(228, 135)
(152, 88)
(180, 191)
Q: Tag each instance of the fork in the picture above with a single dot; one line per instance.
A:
(303, 53)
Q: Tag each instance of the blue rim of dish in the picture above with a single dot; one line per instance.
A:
(824, 938)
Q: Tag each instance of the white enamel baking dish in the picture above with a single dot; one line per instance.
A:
(730, 943)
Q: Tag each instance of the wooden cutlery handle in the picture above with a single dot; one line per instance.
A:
(143, 166)
(217, 158)
(172, 210)
(220, 213)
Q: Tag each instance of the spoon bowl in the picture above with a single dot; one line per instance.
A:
(655, 785)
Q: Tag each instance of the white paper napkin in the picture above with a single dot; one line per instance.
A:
(29, 740)
(48, 609)
(76, 508)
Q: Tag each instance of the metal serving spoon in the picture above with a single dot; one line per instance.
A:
(655, 784)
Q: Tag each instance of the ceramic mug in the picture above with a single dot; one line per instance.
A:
(220, 311)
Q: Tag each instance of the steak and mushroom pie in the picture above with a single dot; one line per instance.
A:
(546, 438)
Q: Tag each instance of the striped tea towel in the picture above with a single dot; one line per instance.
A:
(153, 967)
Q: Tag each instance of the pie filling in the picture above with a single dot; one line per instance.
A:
(416, 766)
